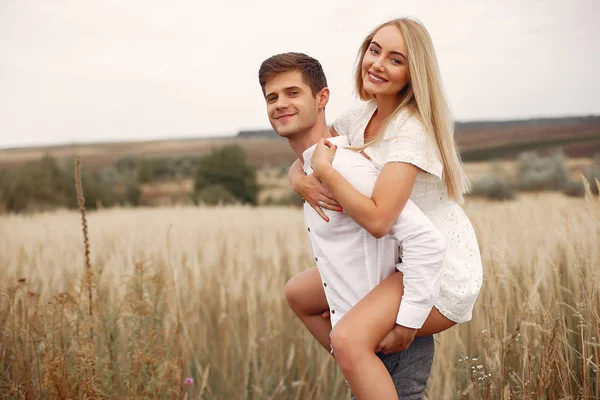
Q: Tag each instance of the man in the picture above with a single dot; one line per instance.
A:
(350, 261)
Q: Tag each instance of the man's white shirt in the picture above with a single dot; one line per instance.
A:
(351, 262)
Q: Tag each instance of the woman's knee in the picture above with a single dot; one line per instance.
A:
(304, 293)
(293, 293)
(348, 349)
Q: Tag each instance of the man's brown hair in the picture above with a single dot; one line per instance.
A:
(311, 69)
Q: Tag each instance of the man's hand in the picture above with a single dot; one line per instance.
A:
(397, 339)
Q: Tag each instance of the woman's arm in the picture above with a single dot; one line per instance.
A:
(391, 192)
(312, 190)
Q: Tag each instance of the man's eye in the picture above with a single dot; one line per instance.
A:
(293, 93)
(271, 99)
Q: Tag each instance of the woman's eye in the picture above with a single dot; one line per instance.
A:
(396, 61)
(374, 51)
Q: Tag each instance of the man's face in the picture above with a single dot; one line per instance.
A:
(290, 104)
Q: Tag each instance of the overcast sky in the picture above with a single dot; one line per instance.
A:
(79, 71)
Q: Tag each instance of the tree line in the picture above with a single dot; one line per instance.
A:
(222, 176)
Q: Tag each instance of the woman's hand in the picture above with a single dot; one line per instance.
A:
(312, 190)
(397, 339)
(322, 157)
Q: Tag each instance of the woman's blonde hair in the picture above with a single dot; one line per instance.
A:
(423, 96)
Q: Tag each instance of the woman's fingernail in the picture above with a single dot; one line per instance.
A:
(340, 209)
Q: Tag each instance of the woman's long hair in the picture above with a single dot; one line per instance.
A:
(424, 96)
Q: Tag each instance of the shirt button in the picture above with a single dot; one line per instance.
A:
(304, 200)
(309, 229)
(325, 284)
(316, 259)
(333, 311)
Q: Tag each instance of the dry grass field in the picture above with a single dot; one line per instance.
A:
(192, 292)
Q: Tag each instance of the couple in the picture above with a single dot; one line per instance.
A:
(397, 258)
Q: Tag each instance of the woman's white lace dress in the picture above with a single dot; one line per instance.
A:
(406, 140)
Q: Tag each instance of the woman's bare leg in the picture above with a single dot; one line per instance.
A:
(306, 297)
(435, 323)
(357, 335)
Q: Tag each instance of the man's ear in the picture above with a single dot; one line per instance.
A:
(322, 98)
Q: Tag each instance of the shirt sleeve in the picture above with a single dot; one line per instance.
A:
(423, 253)
(356, 169)
(343, 123)
(346, 123)
(409, 141)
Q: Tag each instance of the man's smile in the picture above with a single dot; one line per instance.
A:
(283, 116)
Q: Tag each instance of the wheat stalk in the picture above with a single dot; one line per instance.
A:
(86, 239)
(86, 242)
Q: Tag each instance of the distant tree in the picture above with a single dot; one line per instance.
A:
(133, 194)
(537, 172)
(36, 185)
(493, 188)
(186, 166)
(45, 185)
(495, 185)
(145, 171)
(127, 163)
(4, 176)
(161, 169)
(95, 191)
(109, 174)
(228, 166)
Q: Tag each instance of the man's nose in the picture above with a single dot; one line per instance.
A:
(282, 103)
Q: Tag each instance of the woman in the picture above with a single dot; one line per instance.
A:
(403, 125)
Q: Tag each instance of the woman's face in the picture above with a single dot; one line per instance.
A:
(384, 66)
